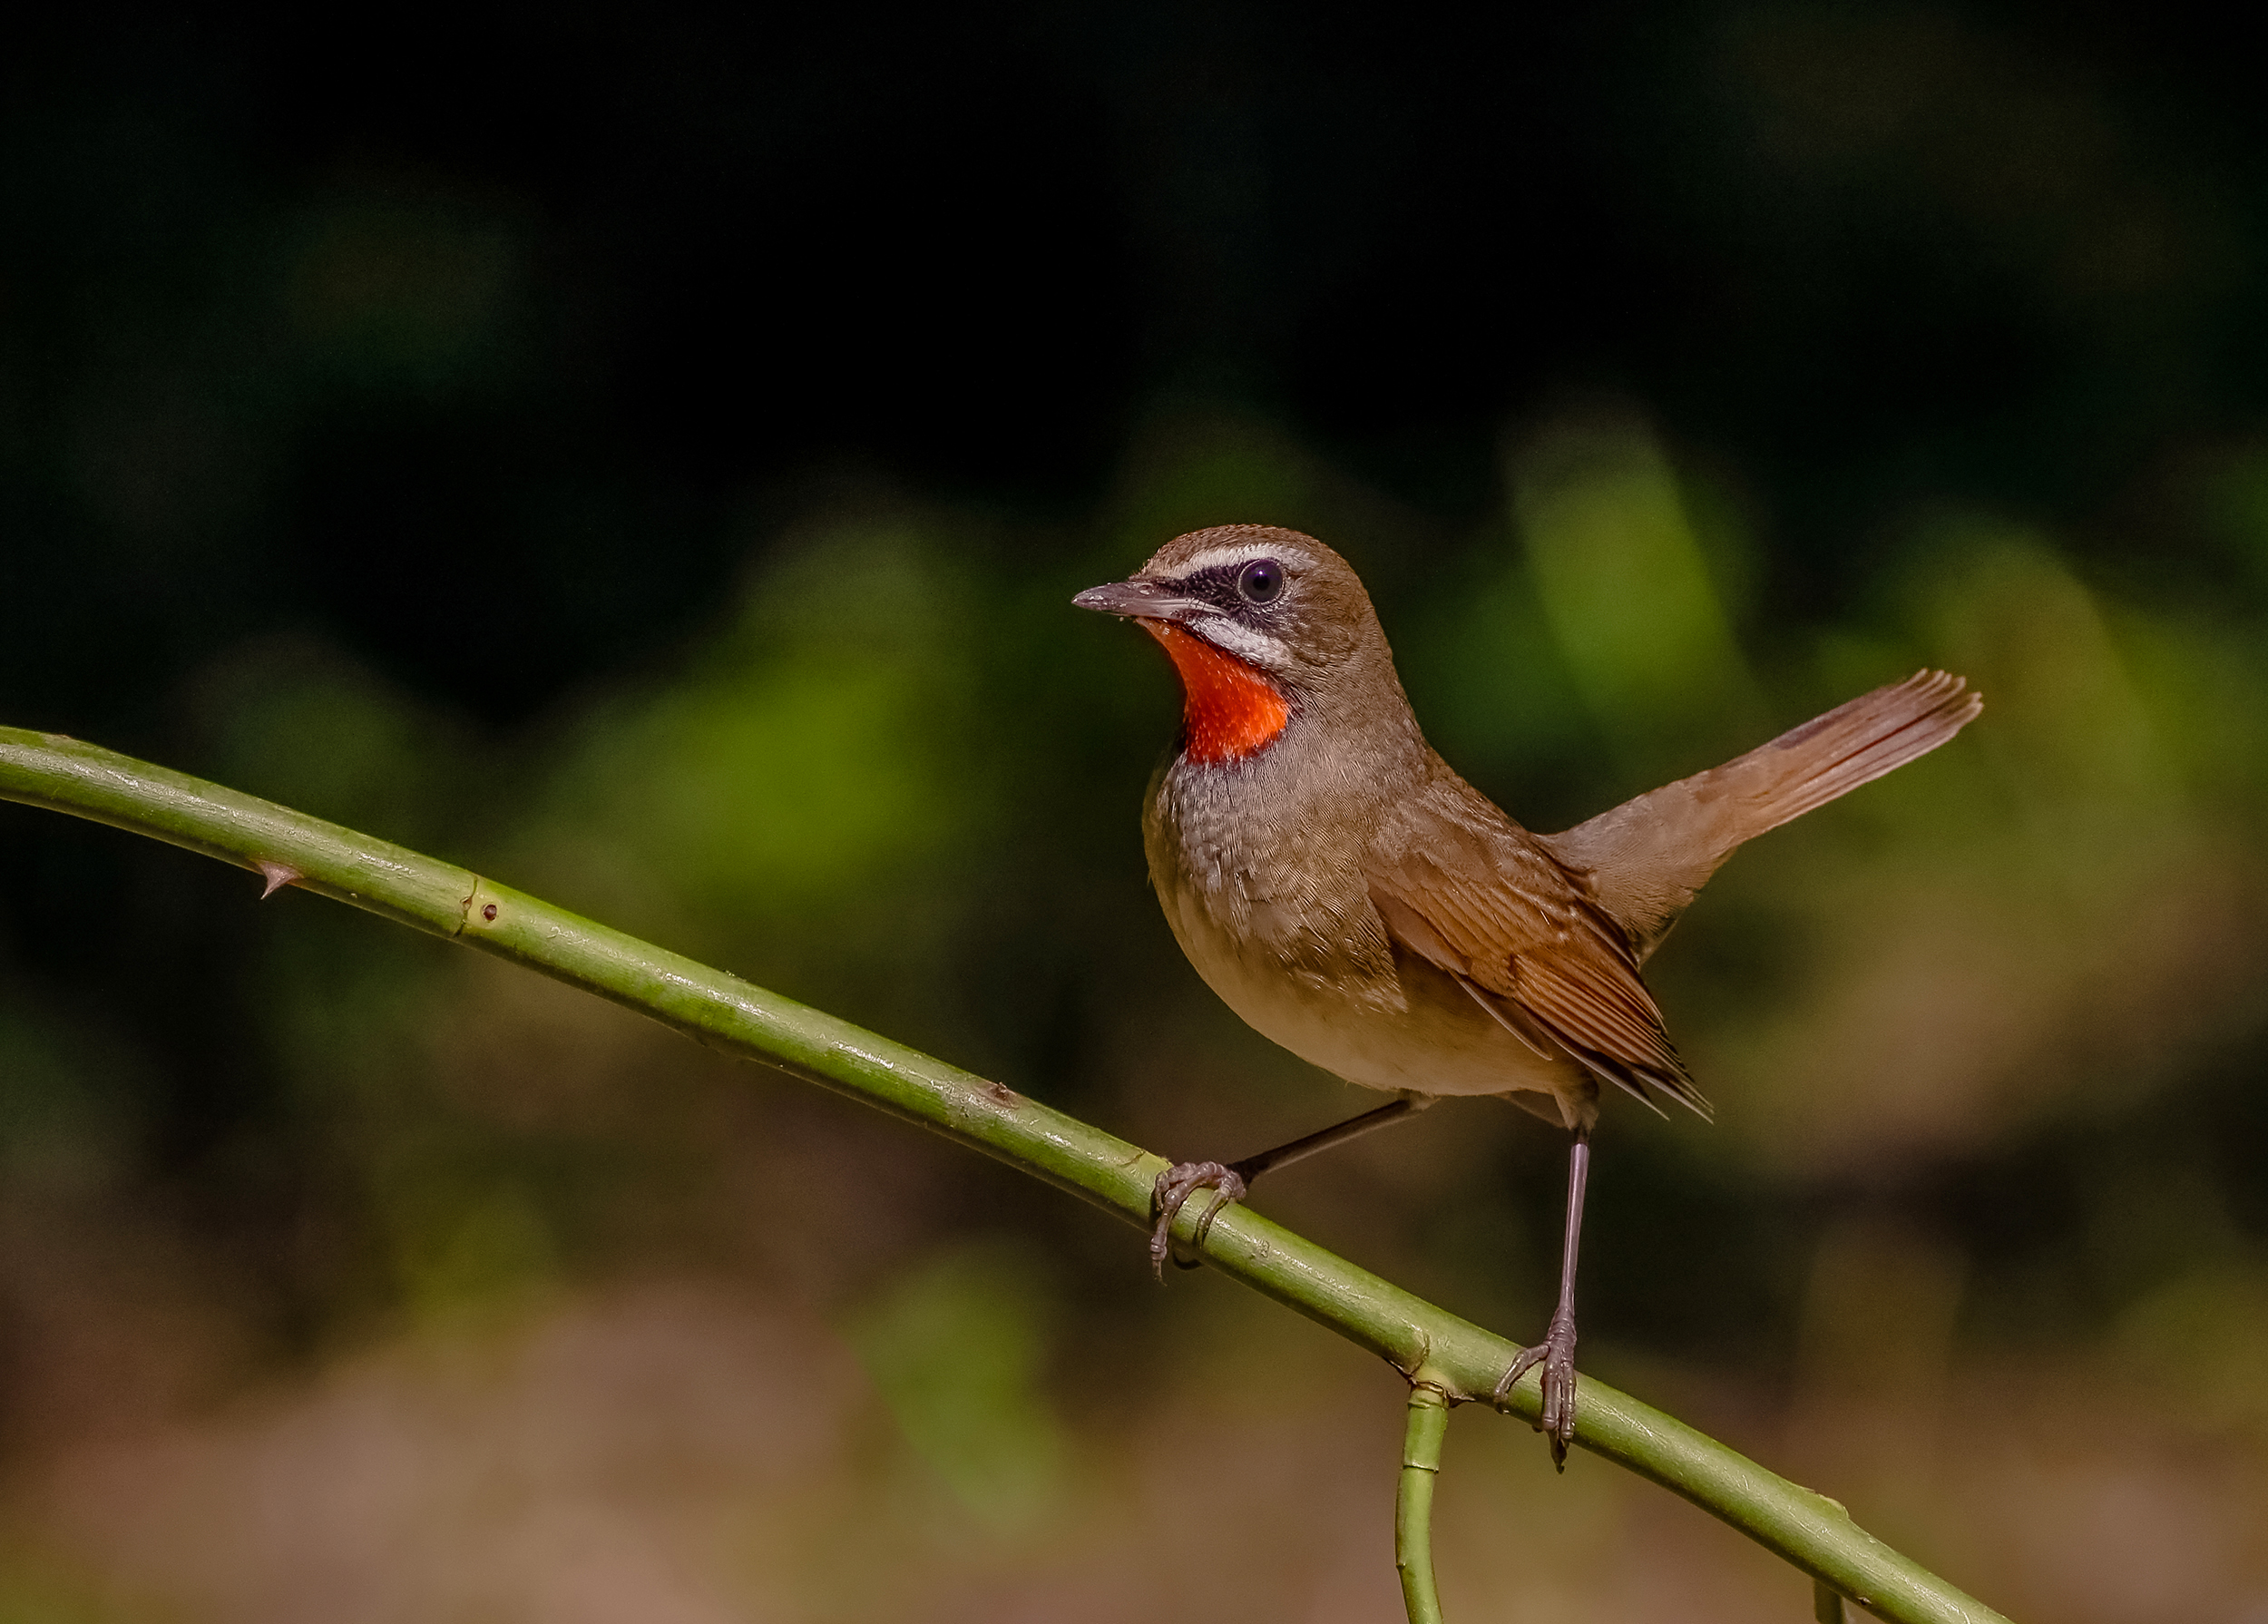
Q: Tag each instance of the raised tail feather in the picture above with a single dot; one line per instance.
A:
(1832, 755)
(1646, 858)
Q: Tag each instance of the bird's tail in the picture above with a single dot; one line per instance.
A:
(1647, 858)
(1832, 755)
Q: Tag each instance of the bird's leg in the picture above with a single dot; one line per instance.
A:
(1556, 1352)
(1231, 1180)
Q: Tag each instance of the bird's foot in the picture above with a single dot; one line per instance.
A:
(1174, 1186)
(1556, 1354)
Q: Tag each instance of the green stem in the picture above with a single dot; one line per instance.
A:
(1422, 1341)
(1414, 1501)
(1826, 1603)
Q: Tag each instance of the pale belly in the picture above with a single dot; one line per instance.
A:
(1402, 1026)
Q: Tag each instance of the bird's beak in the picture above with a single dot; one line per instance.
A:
(1137, 600)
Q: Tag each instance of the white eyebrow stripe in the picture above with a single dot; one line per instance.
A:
(1216, 558)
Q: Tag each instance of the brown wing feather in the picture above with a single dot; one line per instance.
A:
(1463, 886)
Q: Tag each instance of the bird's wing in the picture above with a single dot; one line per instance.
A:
(1465, 888)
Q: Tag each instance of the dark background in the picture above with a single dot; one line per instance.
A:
(648, 458)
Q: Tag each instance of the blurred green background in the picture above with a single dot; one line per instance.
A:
(648, 459)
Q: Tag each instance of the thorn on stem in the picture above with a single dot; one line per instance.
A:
(279, 874)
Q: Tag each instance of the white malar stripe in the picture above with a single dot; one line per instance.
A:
(1252, 646)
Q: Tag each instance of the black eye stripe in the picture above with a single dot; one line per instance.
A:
(1218, 586)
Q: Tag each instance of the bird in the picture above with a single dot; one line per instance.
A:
(1351, 897)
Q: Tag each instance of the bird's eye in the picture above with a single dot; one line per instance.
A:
(1261, 580)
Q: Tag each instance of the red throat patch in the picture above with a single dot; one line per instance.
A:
(1228, 710)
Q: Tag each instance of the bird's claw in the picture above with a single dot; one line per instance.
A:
(1556, 1354)
(1174, 1186)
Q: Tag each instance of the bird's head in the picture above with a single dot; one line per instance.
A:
(1263, 624)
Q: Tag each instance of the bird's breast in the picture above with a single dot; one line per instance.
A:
(1274, 912)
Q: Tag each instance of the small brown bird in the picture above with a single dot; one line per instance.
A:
(1357, 901)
